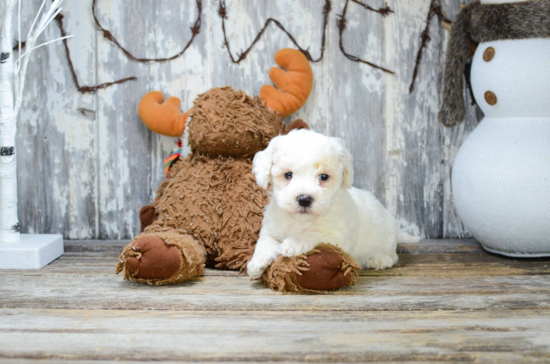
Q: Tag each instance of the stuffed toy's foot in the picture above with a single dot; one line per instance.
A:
(323, 269)
(161, 258)
(147, 216)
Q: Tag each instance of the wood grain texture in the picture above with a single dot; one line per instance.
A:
(276, 336)
(57, 158)
(446, 301)
(430, 276)
(87, 164)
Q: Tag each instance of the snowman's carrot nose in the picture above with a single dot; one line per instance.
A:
(162, 117)
(293, 83)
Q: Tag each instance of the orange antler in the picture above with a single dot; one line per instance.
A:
(162, 117)
(294, 83)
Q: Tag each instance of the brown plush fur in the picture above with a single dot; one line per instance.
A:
(485, 23)
(217, 201)
(284, 274)
(215, 115)
(210, 199)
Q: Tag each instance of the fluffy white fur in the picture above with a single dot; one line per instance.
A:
(339, 214)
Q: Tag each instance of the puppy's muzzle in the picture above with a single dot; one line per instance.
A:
(304, 200)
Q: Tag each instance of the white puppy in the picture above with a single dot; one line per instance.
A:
(312, 201)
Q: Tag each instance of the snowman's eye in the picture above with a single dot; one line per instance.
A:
(288, 175)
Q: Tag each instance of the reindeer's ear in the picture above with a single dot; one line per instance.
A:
(262, 163)
(345, 159)
(295, 125)
(294, 83)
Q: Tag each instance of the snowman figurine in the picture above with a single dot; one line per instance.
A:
(501, 174)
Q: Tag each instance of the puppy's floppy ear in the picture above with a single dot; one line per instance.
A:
(345, 158)
(262, 163)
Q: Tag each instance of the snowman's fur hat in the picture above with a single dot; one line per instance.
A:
(485, 23)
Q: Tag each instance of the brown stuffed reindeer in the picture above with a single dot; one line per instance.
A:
(209, 209)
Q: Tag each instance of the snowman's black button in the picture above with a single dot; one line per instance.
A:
(490, 97)
(488, 54)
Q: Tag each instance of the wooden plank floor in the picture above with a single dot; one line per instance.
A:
(446, 301)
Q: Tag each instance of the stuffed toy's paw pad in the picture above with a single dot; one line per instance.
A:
(162, 257)
(323, 269)
(154, 260)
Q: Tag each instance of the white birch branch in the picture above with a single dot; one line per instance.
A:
(12, 85)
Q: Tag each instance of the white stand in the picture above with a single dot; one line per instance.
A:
(33, 251)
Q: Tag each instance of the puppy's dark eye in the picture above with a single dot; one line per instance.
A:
(288, 175)
(324, 177)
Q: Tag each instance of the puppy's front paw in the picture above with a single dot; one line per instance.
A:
(256, 267)
(290, 248)
(381, 261)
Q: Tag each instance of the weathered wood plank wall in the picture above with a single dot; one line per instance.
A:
(87, 163)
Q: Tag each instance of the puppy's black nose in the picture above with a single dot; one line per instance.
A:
(304, 200)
